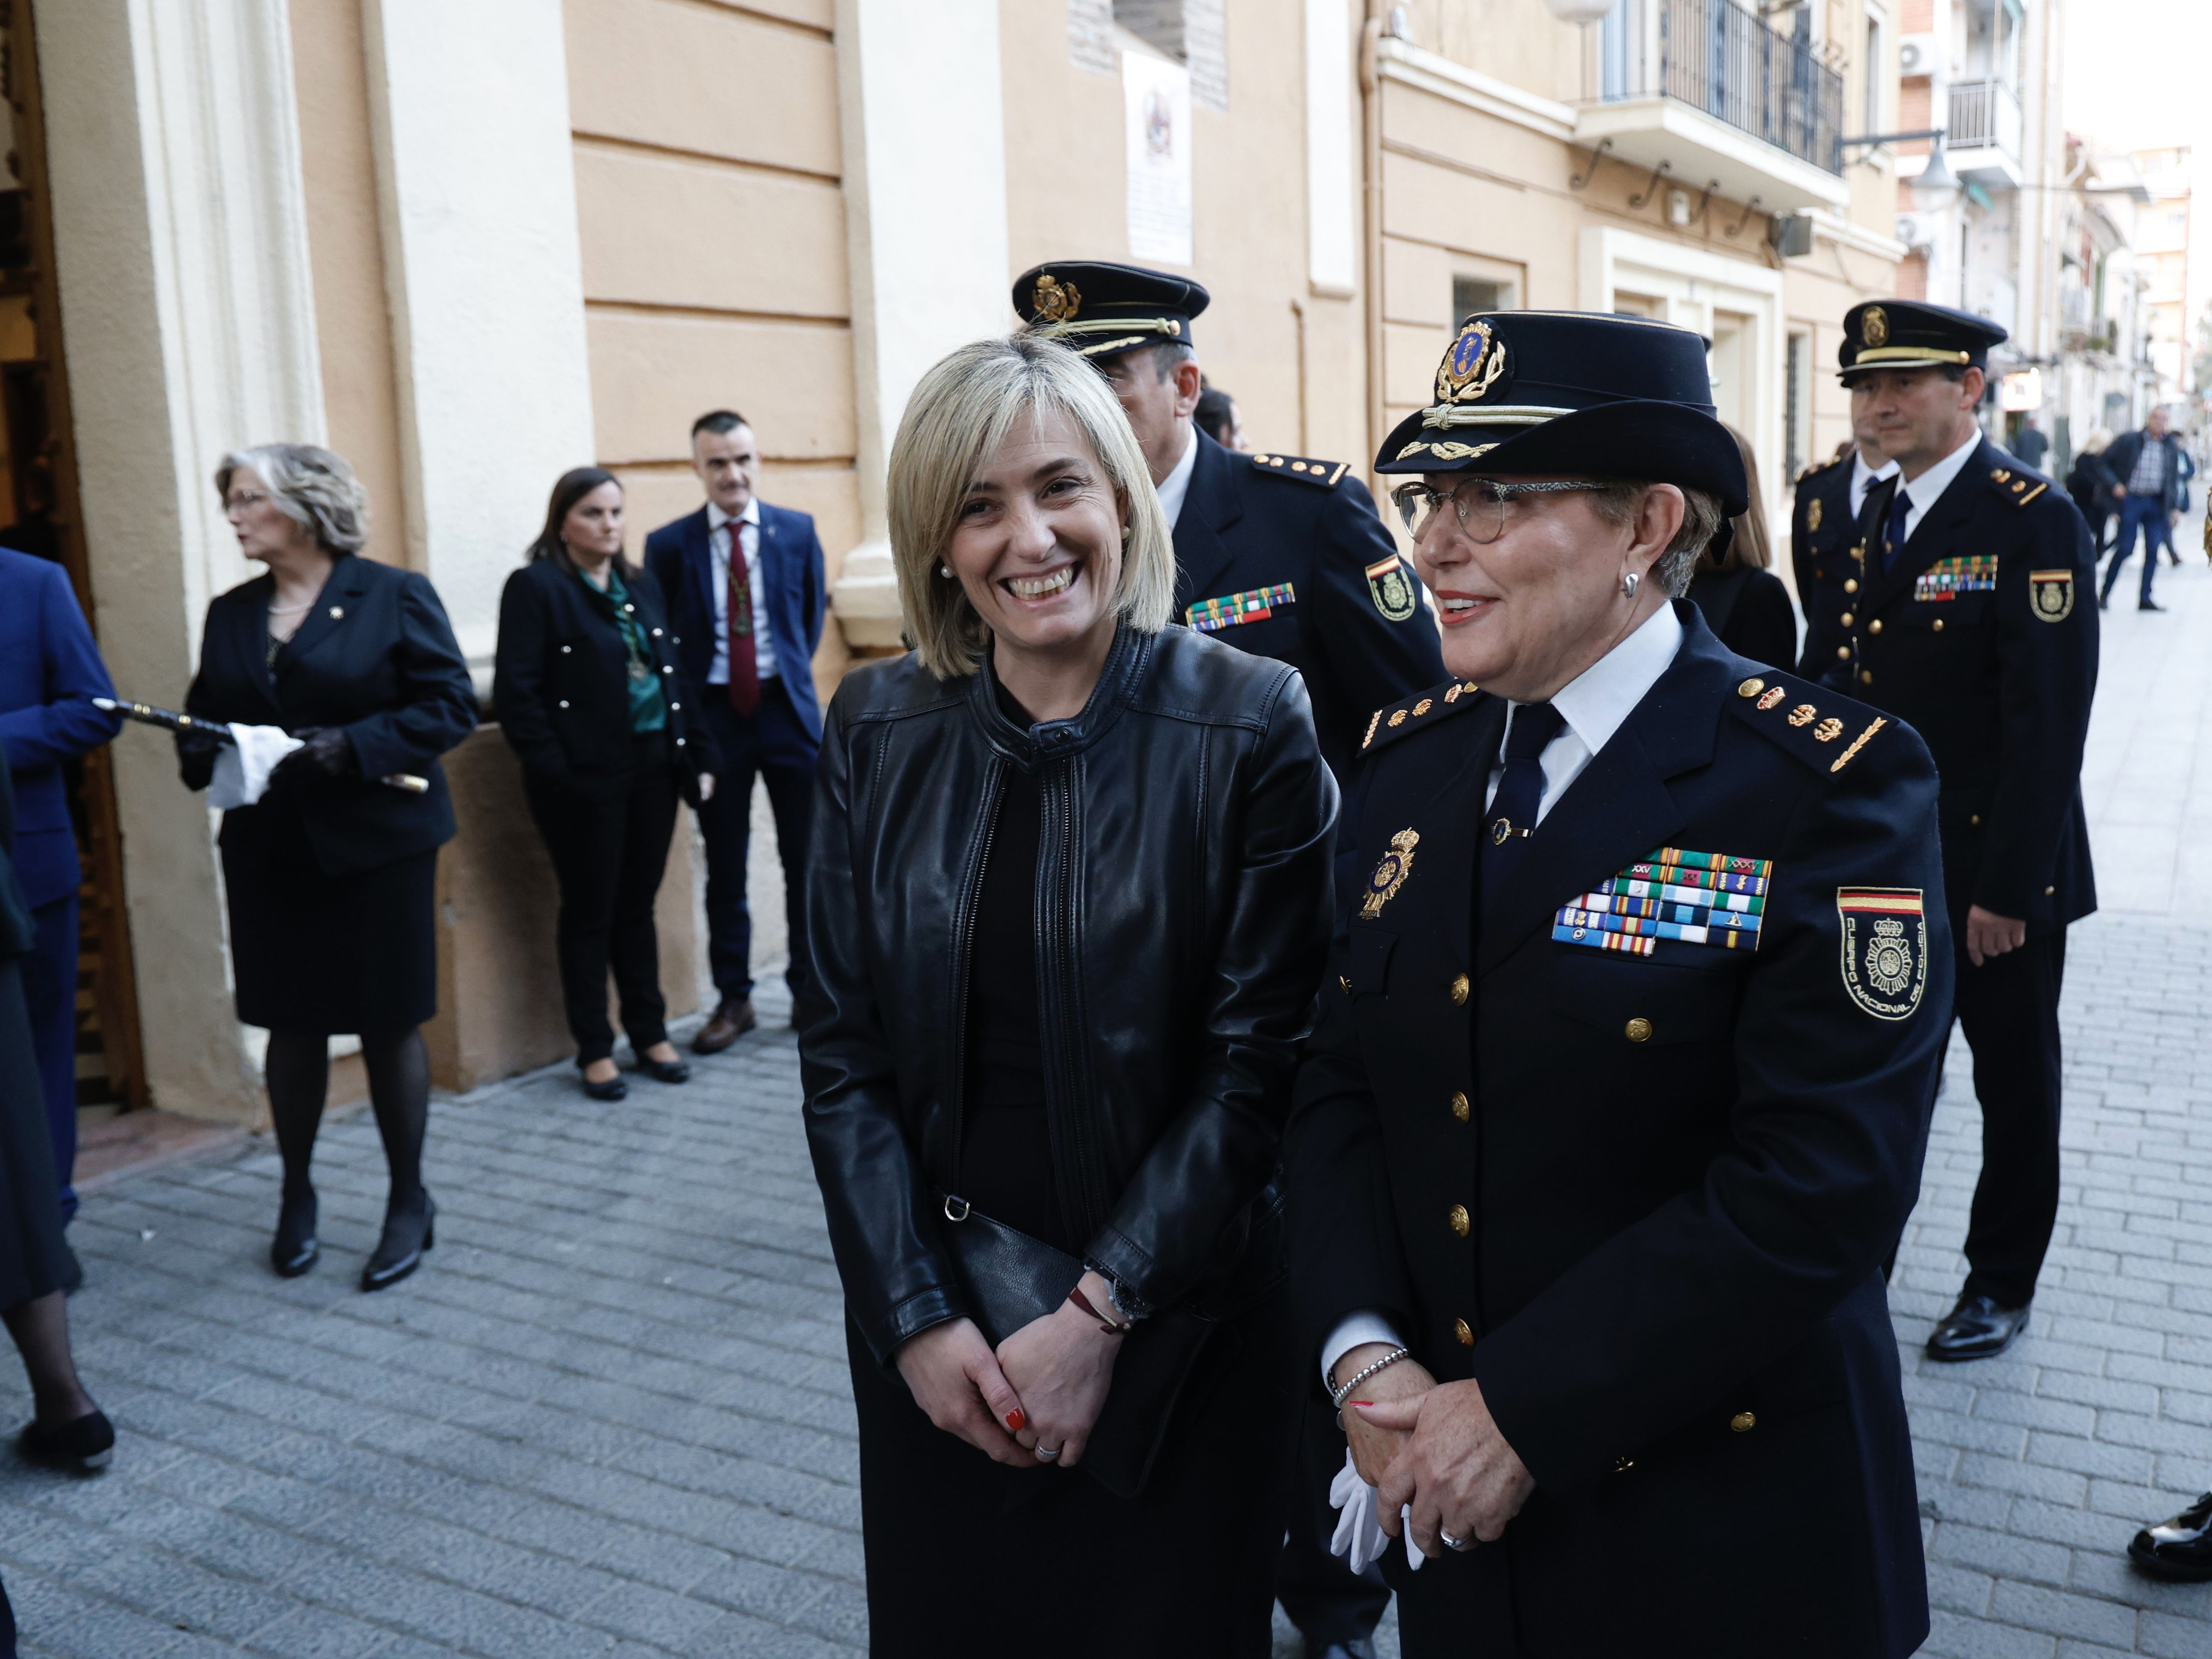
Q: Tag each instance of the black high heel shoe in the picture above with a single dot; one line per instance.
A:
(407, 1234)
(294, 1249)
(84, 1444)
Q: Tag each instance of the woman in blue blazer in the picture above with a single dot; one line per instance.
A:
(331, 875)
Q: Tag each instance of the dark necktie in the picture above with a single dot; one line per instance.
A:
(1512, 816)
(744, 666)
(1893, 542)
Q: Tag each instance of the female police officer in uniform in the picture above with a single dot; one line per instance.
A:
(1618, 1097)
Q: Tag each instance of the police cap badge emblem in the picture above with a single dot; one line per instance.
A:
(1874, 326)
(1885, 949)
(1472, 365)
(1055, 302)
(1390, 874)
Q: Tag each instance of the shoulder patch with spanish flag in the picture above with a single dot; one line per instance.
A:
(1884, 936)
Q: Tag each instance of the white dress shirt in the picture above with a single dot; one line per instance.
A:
(1923, 491)
(1176, 484)
(1594, 704)
(1865, 477)
(718, 542)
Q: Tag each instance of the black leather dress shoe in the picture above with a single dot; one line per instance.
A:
(407, 1233)
(2179, 1549)
(1977, 1329)
(85, 1444)
(613, 1089)
(294, 1251)
(664, 1070)
(2149, 605)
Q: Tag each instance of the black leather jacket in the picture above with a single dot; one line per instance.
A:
(1183, 906)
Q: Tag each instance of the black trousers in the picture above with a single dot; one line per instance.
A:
(773, 744)
(609, 851)
(2009, 1008)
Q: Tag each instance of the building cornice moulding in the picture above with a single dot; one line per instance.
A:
(1433, 73)
(1836, 228)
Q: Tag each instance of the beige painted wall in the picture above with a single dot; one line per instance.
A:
(1066, 199)
(709, 197)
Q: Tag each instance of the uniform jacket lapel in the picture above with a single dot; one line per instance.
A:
(1621, 808)
(1933, 535)
(338, 602)
(699, 564)
(1448, 819)
(1211, 506)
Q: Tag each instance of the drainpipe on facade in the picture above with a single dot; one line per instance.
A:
(1370, 199)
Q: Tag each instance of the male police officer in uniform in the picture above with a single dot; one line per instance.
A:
(1823, 528)
(1279, 555)
(1616, 1100)
(1963, 617)
(1284, 557)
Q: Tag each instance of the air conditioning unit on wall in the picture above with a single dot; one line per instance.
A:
(1916, 55)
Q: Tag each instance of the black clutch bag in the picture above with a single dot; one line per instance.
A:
(1011, 1279)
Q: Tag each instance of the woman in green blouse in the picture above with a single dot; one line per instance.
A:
(585, 689)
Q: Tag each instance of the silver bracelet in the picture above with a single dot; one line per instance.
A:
(1338, 1396)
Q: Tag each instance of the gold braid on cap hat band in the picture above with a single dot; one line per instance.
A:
(1171, 326)
(1909, 355)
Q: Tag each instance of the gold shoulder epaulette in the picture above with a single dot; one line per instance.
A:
(1824, 729)
(1306, 471)
(1386, 725)
(2017, 484)
(1818, 467)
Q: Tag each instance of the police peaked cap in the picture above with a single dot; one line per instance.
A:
(1913, 334)
(1575, 393)
(1099, 309)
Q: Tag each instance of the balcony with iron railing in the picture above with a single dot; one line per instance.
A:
(1982, 138)
(1706, 89)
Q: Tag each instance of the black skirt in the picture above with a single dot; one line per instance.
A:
(32, 1250)
(969, 1559)
(315, 953)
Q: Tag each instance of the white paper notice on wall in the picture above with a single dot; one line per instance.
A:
(1155, 102)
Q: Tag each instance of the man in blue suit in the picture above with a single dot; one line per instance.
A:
(745, 595)
(49, 671)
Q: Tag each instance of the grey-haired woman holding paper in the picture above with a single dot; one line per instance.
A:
(330, 874)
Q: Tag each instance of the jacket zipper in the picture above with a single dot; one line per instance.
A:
(963, 946)
(1086, 1200)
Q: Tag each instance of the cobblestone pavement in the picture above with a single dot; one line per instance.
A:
(611, 1416)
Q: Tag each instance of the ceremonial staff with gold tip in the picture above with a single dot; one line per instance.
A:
(1963, 616)
(169, 720)
(1615, 1103)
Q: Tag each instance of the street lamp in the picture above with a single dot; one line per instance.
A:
(1580, 11)
(1937, 185)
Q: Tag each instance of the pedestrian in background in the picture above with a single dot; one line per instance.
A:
(585, 688)
(2151, 470)
(332, 875)
(1744, 602)
(2029, 443)
(1218, 418)
(1048, 1171)
(2091, 483)
(747, 594)
(67, 1429)
(50, 672)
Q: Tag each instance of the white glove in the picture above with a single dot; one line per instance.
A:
(242, 768)
(1359, 1535)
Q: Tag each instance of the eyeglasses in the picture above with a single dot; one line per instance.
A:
(1483, 504)
(245, 502)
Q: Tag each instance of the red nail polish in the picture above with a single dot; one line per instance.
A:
(1359, 1402)
(1016, 1422)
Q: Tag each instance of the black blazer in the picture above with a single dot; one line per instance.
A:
(375, 656)
(1997, 673)
(1644, 1199)
(1749, 611)
(561, 680)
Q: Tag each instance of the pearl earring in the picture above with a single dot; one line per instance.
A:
(946, 571)
(1629, 584)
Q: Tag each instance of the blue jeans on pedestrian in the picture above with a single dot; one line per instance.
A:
(2146, 513)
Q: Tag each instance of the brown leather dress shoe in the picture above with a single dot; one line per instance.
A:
(731, 1021)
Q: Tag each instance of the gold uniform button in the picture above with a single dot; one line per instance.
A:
(1866, 676)
(1459, 1104)
(2048, 891)
(1850, 584)
(1637, 1029)
(1847, 619)
(1464, 1331)
(1939, 624)
(1874, 627)
(1751, 688)
(1843, 653)
(1976, 820)
(1457, 1217)
(1459, 990)
(1743, 1422)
